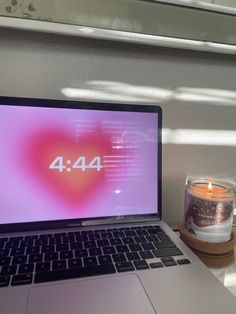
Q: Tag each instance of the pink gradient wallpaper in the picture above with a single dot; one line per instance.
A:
(76, 163)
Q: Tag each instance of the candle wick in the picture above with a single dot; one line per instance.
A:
(209, 188)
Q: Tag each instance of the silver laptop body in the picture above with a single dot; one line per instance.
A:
(80, 215)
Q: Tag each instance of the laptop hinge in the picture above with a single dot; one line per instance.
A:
(117, 220)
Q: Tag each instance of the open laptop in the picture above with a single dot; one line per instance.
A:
(80, 215)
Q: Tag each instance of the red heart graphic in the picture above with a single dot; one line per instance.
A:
(74, 186)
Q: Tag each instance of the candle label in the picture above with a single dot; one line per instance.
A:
(206, 213)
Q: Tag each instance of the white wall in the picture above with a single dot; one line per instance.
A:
(146, 17)
(230, 3)
(41, 65)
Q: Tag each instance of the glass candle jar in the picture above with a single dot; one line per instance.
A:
(209, 207)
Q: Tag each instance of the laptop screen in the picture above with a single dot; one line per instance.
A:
(76, 163)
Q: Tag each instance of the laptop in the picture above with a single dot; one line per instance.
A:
(80, 215)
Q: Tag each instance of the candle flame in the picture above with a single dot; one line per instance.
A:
(209, 187)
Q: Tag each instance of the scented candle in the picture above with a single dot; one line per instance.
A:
(209, 207)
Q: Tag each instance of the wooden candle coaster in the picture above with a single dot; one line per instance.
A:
(216, 260)
(224, 248)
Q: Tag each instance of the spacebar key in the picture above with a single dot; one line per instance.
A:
(74, 273)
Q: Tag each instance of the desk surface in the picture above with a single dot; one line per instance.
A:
(227, 274)
(225, 270)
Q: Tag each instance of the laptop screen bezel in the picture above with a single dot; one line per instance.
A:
(76, 104)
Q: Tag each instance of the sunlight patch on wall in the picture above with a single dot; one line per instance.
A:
(199, 137)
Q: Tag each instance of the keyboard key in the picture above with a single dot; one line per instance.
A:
(167, 252)
(81, 253)
(147, 246)
(78, 236)
(19, 251)
(130, 233)
(4, 281)
(95, 236)
(51, 256)
(4, 261)
(66, 255)
(53, 241)
(158, 228)
(76, 246)
(58, 265)
(183, 261)
(35, 258)
(152, 231)
(109, 250)
(141, 264)
(167, 258)
(106, 235)
(124, 266)
(26, 243)
(115, 241)
(148, 227)
(169, 263)
(15, 239)
(90, 261)
(73, 233)
(146, 254)
(135, 247)
(40, 242)
(45, 236)
(4, 253)
(164, 244)
(141, 232)
(112, 230)
(100, 230)
(59, 235)
(152, 238)
(26, 268)
(62, 247)
(75, 263)
(128, 240)
(25, 279)
(44, 266)
(136, 228)
(132, 256)
(74, 273)
(12, 244)
(104, 259)
(83, 237)
(86, 232)
(122, 248)
(163, 237)
(140, 239)
(48, 249)
(95, 251)
(8, 270)
(68, 239)
(156, 265)
(19, 259)
(124, 229)
(118, 258)
(118, 234)
(33, 250)
(104, 242)
(89, 244)
(3, 241)
(31, 237)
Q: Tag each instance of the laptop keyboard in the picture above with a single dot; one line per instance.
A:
(58, 256)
